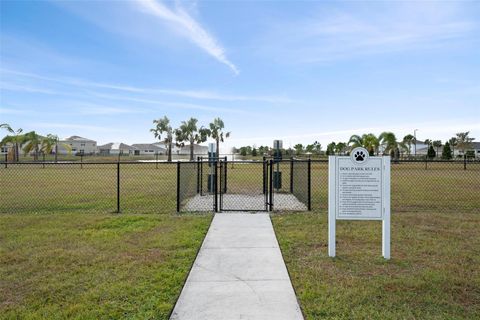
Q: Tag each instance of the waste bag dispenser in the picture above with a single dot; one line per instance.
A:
(212, 158)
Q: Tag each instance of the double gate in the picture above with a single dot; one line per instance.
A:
(222, 185)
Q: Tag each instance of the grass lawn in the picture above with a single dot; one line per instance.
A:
(95, 266)
(434, 272)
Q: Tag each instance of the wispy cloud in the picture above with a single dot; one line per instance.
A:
(86, 84)
(332, 35)
(188, 27)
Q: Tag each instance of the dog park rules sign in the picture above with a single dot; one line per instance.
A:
(359, 189)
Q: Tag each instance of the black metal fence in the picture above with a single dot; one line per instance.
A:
(153, 187)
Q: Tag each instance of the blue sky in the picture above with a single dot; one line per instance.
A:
(297, 71)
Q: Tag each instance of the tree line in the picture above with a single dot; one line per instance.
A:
(386, 144)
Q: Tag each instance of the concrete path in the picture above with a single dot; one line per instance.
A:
(239, 273)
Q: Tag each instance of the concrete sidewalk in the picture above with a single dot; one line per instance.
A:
(239, 273)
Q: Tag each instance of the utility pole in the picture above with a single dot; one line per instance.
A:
(415, 138)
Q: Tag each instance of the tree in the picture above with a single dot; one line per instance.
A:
(389, 142)
(17, 139)
(33, 142)
(188, 132)
(216, 132)
(331, 149)
(368, 141)
(431, 152)
(447, 152)
(437, 144)
(340, 147)
(163, 128)
(453, 144)
(464, 142)
(50, 143)
(317, 147)
(408, 140)
(254, 152)
(243, 151)
(298, 148)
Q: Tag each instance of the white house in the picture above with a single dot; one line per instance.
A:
(185, 150)
(147, 149)
(115, 148)
(77, 145)
(197, 150)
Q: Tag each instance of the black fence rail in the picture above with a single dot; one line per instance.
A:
(162, 187)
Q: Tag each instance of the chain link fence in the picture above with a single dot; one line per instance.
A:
(162, 187)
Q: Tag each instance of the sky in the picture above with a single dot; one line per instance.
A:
(300, 71)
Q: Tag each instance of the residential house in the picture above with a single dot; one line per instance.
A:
(147, 149)
(116, 148)
(78, 145)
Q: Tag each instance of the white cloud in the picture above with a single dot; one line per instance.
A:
(189, 28)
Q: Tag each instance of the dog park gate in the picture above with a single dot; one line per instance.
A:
(221, 185)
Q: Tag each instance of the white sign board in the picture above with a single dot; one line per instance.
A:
(359, 189)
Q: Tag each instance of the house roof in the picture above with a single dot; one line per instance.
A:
(147, 146)
(78, 138)
(115, 146)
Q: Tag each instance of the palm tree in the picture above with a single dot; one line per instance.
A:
(453, 143)
(437, 144)
(33, 142)
(390, 144)
(50, 143)
(369, 141)
(162, 126)
(16, 139)
(216, 132)
(188, 132)
(408, 140)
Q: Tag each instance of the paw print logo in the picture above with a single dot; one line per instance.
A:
(359, 155)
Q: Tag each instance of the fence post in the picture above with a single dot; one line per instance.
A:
(426, 162)
(270, 182)
(6, 160)
(43, 160)
(224, 184)
(198, 174)
(309, 179)
(465, 161)
(81, 161)
(178, 186)
(156, 159)
(215, 186)
(118, 187)
(291, 174)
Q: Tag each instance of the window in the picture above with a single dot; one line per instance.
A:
(74, 149)
(82, 144)
(4, 149)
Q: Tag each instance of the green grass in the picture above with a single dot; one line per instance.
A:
(95, 266)
(433, 274)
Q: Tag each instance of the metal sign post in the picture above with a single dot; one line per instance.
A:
(359, 189)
